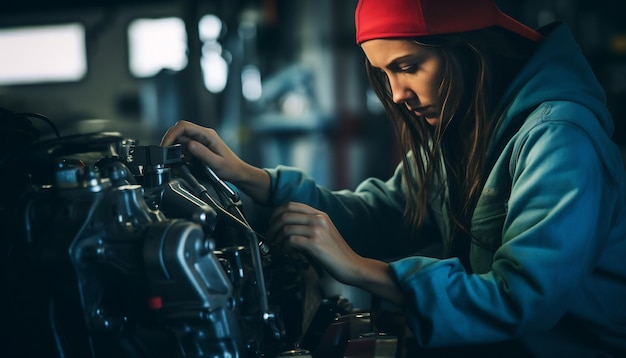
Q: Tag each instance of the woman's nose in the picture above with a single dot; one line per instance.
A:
(399, 92)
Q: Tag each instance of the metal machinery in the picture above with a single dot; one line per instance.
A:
(111, 249)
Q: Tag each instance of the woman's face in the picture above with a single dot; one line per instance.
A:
(414, 72)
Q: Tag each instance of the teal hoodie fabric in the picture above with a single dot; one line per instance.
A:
(549, 249)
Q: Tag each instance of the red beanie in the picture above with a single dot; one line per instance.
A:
(376, 19)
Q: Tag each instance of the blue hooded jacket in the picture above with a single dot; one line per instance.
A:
(549, 230)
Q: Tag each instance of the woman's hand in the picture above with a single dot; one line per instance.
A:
(206, 145)
(301, 227)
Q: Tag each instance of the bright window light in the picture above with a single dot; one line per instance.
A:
(54, 53)
(214, 69)
(210, 27)
(214, 65)
(156, 44)
(251, 83)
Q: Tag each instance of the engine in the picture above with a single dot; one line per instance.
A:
(114, 249)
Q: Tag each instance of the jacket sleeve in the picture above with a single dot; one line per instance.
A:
(369, 218)
(550, 242)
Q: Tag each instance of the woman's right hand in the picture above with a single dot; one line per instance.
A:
(205, 144)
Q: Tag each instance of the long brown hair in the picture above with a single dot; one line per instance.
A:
(477, 68)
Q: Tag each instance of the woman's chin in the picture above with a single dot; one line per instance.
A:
(433, 121)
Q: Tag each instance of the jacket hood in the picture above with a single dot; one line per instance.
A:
(557, 71)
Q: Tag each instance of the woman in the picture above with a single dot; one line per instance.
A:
(508, 156)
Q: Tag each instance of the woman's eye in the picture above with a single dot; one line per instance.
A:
(408, 68)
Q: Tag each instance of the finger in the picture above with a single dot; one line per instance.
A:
(301, 208)
(294, 207)
(278, 224)
(184, 129)
(300, 243)
(200, 151)
(293, 213)
(173, 133)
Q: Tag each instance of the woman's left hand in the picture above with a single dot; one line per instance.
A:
(301, 227)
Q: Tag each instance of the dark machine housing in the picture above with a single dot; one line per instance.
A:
(112, 249)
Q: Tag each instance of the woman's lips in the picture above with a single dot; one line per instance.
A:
(425, 111)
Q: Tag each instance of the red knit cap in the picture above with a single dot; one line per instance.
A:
(376, 19)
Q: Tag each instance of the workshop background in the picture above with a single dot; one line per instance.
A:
(282, 81)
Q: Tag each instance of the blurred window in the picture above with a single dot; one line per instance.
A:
(157, 44)
(213, 61)
(40, 54)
